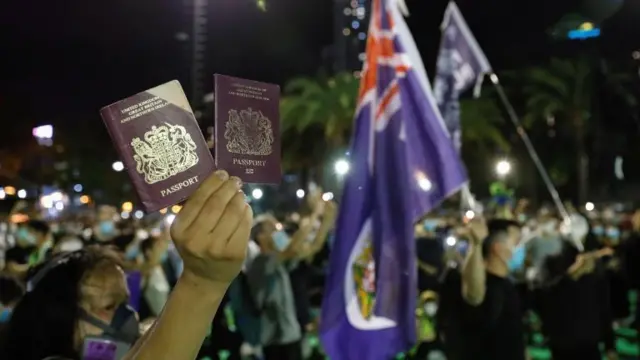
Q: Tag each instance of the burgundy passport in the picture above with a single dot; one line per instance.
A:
(160, 143)
(247, 129)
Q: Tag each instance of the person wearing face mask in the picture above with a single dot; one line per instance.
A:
(73, 298)
(36, 233)
(270, 288)
(77, 302)
(105, 229)
(480, 311)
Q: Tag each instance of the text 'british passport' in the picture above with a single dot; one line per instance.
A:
(247, 129)
(160, 143)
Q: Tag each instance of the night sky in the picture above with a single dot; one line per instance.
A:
(63, 60)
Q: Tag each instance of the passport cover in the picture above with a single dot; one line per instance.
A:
(160, 143)
(247, 129)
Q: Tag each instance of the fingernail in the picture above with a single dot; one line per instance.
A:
(223, 175)
(238, 182)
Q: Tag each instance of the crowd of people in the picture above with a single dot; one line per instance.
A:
(215, 278)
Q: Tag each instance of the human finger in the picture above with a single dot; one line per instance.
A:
(197, 200)
(211, 212)
(236, 247)
(229, 222)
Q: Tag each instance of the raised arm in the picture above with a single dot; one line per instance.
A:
(211, 233)
(473, 271)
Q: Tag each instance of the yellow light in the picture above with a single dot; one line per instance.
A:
(586, 26)
(163, 211)
(84, 199)
(10, 190)
(19, 218)
(346, 32)
(176, 209)
(127, 206)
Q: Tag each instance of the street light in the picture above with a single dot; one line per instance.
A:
(118, 166)
(341, 167)
(503, 168)
(257, 194)
(22, 193)
(300, 193)
(589, 206)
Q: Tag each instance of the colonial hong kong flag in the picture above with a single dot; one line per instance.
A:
(403, 164)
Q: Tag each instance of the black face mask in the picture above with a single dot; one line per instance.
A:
(117, 338)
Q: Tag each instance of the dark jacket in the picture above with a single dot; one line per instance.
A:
(575, 312)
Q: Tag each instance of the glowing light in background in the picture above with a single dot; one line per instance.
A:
(43, 132)
(22, 193)
(84, 199)
(77, 188)
(503, 167)
(328, 196)
(176, 209)
(341, 167)
(169, 219)
(127, 206)
(138, 214)
(10, 190)
(300, 193)
(589, 206)
(257, 194)
(118, 166)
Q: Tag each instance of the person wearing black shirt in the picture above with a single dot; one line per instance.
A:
(480, 309)
(574, 306)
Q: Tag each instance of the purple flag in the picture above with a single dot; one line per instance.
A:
(461, 64)
(403, 164)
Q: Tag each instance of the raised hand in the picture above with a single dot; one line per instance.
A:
(478, 230)
(211, 232)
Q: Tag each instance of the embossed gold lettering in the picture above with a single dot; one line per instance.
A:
(179, 186)
(249, 162)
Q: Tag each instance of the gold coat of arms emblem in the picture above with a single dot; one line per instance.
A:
(166, 150)
(248, 132)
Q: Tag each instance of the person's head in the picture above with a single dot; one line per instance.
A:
(126, 246)
(71, 297)
(105, 228)
(11, 291)
(504, 238)
(268, 233)
(17, 261)
(33, 232)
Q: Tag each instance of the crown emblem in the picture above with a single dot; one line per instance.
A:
(166, 150)
(364, 279)
(248, 132)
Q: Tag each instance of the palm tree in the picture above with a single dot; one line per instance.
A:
(317, 117)
(565, 89)
(479, 119)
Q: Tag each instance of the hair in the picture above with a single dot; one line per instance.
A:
(39, 226)
(498, 232)
(44, 322)
(11, 290)
(121, 242)
(256, 230)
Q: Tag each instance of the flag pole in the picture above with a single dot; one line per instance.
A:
(527, 143)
